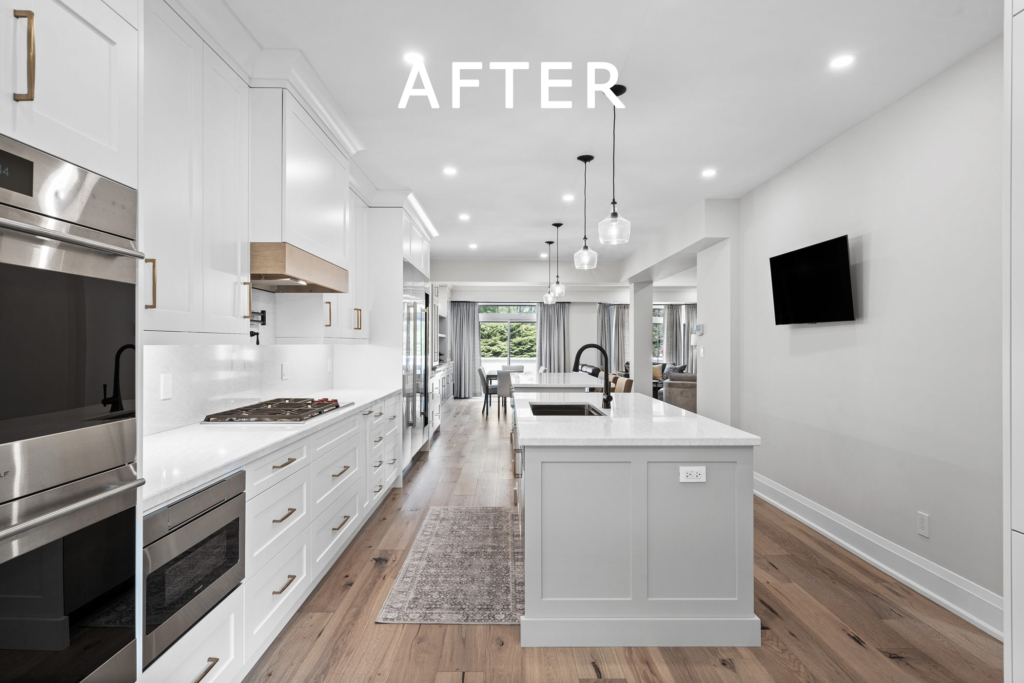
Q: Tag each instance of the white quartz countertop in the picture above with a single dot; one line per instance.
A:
(573, 380)
(633, 420)
(179, 461)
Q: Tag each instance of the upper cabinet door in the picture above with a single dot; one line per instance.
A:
(171, 200)
(226, 294)
(354, 307)
(85, 105)
(315, 189)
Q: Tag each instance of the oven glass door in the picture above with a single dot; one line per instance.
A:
(173, 585)
(66, 342)
(68, 606)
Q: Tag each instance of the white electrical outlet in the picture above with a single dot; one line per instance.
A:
(165, 386)
(702, 352)
(693, 474)
(284, 371)
(922, 524)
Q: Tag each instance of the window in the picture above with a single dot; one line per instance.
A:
(508, 336)
(658, 336)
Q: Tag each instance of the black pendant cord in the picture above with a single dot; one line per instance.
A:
(557, 254)
(584, 205)
(614, 112)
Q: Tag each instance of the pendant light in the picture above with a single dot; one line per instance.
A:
(549, 298)
(559, 288)
(614, 229)
(585, 258)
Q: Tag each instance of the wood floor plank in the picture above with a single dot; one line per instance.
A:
(815, 601)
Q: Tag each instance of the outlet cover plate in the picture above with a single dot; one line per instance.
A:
(693, 474)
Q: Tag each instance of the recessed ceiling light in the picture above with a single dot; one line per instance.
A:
(567, 198)
(842, 61)
(413, 58)
(543, 255)
(463, 216)
(450, 170)
(472, 246)
(709, 173)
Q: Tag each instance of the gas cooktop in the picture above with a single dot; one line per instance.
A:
(279, 410)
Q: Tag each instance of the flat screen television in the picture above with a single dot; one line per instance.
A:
(812, 285)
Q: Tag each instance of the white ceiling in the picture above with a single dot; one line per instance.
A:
(740, 85)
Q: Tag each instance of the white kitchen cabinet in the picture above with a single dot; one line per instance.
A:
(171, 197)
(415, 245)
(355, 305)
(227, 303)
(308, 318)
(85, 101)
(194, 196)
(299, 180)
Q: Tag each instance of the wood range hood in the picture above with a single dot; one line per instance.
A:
(284, 268)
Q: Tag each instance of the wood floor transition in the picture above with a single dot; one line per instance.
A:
(826, 615)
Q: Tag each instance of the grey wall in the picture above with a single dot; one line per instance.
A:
(899, 411)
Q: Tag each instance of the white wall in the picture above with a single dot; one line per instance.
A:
(900, 411)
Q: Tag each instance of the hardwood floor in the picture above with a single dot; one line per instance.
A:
(826, 615)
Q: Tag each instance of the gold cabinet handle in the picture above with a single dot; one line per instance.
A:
(31, 94)
(367, 412)
(343, 523)
(153, 261)
(392, 417)
(291, 511)
(379, 463)
(378, 414)
(291, 577)
(378, 439)
(359, 318)
(287, 462)
(392, 462)
(249, 285)
(213, 662)
(335, 476)
(378, 489)
(330, 314)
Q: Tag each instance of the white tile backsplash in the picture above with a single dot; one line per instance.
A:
(209, 379)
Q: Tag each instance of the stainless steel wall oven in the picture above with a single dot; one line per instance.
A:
(68, 483)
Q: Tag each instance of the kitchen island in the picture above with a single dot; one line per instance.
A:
(555, 381)
(638, 524)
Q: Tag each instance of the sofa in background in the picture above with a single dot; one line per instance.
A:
(680, 390)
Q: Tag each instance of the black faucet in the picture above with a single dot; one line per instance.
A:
(115, 402)
(607, 402)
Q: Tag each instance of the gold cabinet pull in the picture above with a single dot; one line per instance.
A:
(379, 463)
(359, 318)
(249, 285)
(153, 261)
(291, 511)
(379, 488)
(368, 412)
(330, 314)
(335, 476)
(378, 414)
(343, 523)
(213, 662)
(378, 439)
(291, 577)
(392, 462)
(392, 417)
(31, 93)
(287, 462)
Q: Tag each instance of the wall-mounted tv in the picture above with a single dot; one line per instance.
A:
(812, 285)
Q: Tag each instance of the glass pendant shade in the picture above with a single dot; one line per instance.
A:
(585, 258)
(614, 229)
(558, 289)
(549, 298)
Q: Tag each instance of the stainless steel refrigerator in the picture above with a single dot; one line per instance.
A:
(415, 368)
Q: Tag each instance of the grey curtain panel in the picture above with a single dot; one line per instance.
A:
(621, 338)
(464, 342)
(604, 332)
(674, 343)
(552, 335)
(689, 321)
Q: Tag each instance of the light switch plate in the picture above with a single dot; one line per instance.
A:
(922, 524)
(693, 474)
(284, 371)
(165, 386)
(702, 352)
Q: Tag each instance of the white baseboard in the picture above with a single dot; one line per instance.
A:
(963, 597)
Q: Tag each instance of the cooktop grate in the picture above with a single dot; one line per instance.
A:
(278, 410)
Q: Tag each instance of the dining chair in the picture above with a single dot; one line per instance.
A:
(488, 389)
(623, 386)
(612, 380)
(504, 388)
(541, 370)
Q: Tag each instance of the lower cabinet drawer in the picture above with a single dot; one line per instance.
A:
(275, 467)
(272, 595)
(333, 529)
(335, 472)
(273, 519)
(391, 458)
(377, 485)
(213, 646)
(378, 414)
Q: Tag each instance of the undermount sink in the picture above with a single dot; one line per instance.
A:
(574, 409)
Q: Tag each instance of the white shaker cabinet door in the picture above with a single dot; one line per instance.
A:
(171, 201)
(84, 106)
(316, 189)
(353, 314)
(226, 293)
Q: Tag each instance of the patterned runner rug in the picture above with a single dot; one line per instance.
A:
(465, 567)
